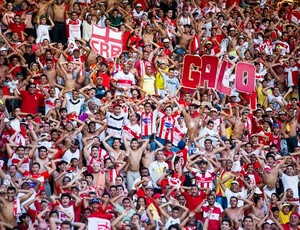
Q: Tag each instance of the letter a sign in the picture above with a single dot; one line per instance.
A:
(106, 42)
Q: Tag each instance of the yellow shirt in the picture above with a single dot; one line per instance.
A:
(223, 175)
(148, 84)
(284, 218)
(160, 80)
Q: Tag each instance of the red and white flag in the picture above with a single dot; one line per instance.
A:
(106, 42)
(98, 224)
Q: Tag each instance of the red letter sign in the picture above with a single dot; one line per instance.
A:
(209, 68)
(220, 87)
(245, 77)
(190, 72)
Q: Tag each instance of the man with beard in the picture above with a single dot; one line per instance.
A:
(10, 206)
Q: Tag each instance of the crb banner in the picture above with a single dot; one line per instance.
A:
(106, 42)
(198, 70)
(95, 223)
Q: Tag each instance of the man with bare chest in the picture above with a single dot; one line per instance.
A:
(9, 206)
(185, 37)
(134, 155)
(42, 8)
(149, 156)
(50, 72)
(59, 30)
(193, 119)
(70, 74)
(234, 213)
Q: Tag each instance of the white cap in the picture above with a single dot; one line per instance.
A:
(235, 182)
(139, 4)
(257, 191)
(166, 40)
(269, 109)
(270, 221)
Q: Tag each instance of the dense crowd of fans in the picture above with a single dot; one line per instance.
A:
(89, 142)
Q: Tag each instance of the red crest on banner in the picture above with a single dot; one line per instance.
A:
(106, 42)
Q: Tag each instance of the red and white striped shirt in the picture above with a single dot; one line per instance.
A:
(15, 159)
(179, 132)
(148, 122)
(204, 180)
(166, 126)
(131, 131)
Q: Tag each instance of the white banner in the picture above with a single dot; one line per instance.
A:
(95, 223)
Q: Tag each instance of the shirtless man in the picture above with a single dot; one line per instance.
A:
(68, 72)
(240, 129)
(59, 30)
(42, 8)
(148, 36)
(42, 158)
(91, 131)
(292, 141)
(115, 151)
(134, 155)
(184, 36)
(193, 120)
(50, 72)
(234, 213)
(3, 68)
(8, 209)
(258, 208)
(11, 176)
(162, 28)
(149, 156)
(270, 172)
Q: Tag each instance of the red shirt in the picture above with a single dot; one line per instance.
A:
(17, 28)
(193, 201)
(286, 227)
(30, 102)
(214, 219)
(40, 176)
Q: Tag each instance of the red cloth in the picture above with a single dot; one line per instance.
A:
(30, 101)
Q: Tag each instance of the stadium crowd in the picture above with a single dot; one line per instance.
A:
(89, 142)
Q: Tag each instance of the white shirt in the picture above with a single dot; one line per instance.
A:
(124, 80)
(156, 170)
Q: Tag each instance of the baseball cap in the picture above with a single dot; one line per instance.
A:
(115, 105)
(296, 214)
(214, 109)
(95, 200)
(156, 195)
(286, 204)
(269, 109)
(235, 182)
(208, 42)
(281, 113)
(139, 5)
(166, 40)
(276, 125)
(76, 142)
